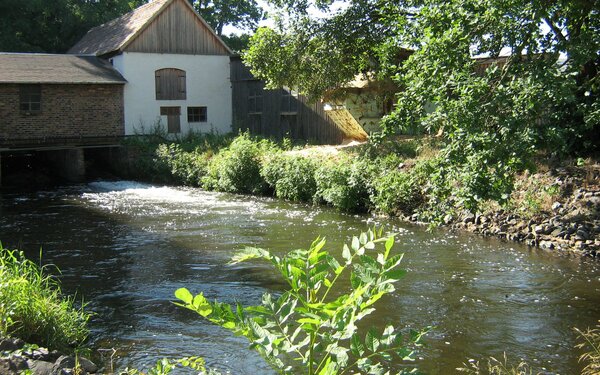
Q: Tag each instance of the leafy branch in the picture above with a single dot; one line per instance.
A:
(313, 325)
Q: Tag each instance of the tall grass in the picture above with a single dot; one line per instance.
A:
(33, 308)
(590, 342)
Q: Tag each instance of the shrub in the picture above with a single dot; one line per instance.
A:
(291, 176)
(33, 308)
(345, 184)
(313, 328)
(236, 169)
(187, 167)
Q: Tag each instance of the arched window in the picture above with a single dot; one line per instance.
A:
(170, 84)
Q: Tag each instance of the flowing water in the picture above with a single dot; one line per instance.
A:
(125, 247)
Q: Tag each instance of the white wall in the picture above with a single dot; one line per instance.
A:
(207, 83)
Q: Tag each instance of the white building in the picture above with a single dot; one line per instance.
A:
(177, 69)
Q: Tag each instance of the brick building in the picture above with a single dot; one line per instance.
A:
(56, 98)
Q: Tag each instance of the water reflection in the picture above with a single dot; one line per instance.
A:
(127, 246)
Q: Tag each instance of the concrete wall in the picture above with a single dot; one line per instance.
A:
(207, 84)
(67, 111)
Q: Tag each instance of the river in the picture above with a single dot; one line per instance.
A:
(125, 247)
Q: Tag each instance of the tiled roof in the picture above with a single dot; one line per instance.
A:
(46, 68)
(113, 35)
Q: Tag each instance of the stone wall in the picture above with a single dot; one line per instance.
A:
(67, 111)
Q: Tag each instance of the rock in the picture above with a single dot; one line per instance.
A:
(12, 365)
(9, 344)
(40, 367)
(65, 361)
(88, 365)
(557, 232)
(469, 218)
(582, 235)
(556, 206)
(447, 219)
(40, 354)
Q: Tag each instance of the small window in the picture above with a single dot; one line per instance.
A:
(289, 102)
(255, 99)
(30, 99)
(197, 114)
(170, 84)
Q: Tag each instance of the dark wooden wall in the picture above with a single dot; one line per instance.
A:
(278, 113)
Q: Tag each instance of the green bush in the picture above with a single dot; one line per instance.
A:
(33, 308)
(291, 176)
(345, 184)
(187, 167)
(236, 169)
(396, 190)
(316, 327)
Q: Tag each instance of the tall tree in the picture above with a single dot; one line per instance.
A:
(543, 95)
(53, 26)
(243, 14)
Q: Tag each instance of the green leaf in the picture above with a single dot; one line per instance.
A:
(355, 243)
(346, 254)
(389, 243)
(184, 295)
(372, 340)
(356, 346)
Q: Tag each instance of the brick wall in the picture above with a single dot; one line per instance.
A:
(68, 111)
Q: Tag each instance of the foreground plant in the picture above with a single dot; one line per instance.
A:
(590, 342)
(312, 327)
(33, 308)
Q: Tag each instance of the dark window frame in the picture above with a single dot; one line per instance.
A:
(30, 99)
(197, 114)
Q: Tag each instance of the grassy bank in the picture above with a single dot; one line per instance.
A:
(33, 308)
(406, 177)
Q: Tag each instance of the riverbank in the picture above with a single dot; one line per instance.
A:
(557, 207)
(17, 357)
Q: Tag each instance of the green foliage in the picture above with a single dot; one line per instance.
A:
(312, 327)
(236, 169)
(590, 342)
(166, 366)
(33, 308)
(291, 176)
(242, 14)
(53, 26)
(497, 367)
(345, 184)
(396, 191)
(187, 167)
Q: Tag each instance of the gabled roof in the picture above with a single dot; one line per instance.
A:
(47, 68)
(113, 36)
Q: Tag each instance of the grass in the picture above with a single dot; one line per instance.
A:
(590, 342)
(33, 308)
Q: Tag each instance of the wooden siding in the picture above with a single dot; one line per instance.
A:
(278, 113)
(177, 30)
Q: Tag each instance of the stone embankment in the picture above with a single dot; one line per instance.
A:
(572, 224)
(17, 358)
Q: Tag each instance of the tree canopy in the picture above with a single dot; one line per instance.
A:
(53, 26)
(539, 90)
(243, 14)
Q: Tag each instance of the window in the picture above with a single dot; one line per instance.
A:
(255, 98)
(289, 102)
(30, 99)
(170, 84)
(197, 114)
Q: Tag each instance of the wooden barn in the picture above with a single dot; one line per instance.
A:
(283, 113)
